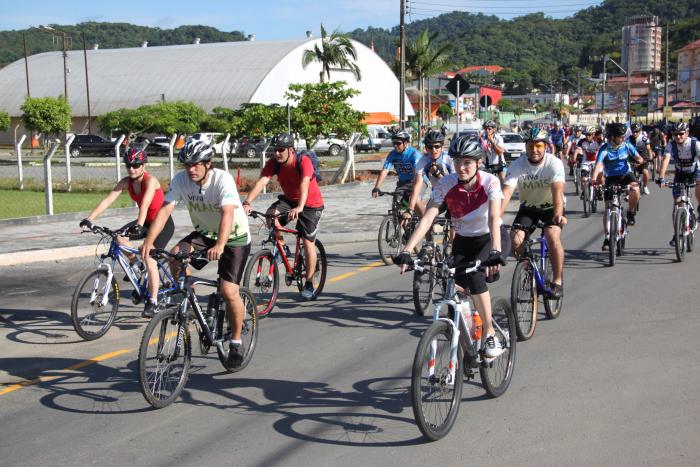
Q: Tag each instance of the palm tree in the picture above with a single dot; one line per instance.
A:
(336, 50)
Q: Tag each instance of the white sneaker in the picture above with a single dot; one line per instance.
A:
(646, 190)
(493, 347)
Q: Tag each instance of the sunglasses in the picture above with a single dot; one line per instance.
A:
(280, 149)
(397, 143)
(133, 166)
(433, 146)
(679, 134)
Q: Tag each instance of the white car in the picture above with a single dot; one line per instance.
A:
(215, 140)
(332, 146)
(514, 145)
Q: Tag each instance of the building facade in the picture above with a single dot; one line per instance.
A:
(688, 78)
(641, 45)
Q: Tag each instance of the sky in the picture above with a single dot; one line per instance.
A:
(266, 19)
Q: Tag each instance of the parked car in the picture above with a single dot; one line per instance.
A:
(215, 140)
(514, 145)
(331, 145)
(377, 140)
(91, 144)
(158, 146)
(251, 147)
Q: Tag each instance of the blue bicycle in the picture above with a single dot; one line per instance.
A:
(532, 278)
(95, 301)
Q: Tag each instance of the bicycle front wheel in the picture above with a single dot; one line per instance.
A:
(319, 278)
(679, 223)
(612, 238)
(435, 394)
(261, 277)
(164, 358)
(389, 239)
(497, 373)
(91, 319)
(552, 306)
(586, 195)
(523, 300)
(423, 287)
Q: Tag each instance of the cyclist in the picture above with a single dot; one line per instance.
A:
(403, 159)
(685, 153)
(494, 148)
(570, 147)
(145, 190)
(586, 151)
(641, 142)
(432, 166)
(300, 199)
(614, 160)
(540, 179)
(556, 139)
(473, 199)
(221, 228)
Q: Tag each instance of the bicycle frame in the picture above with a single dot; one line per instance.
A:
(538, 263)
(277, 248)
(614, 204)
(686, 204)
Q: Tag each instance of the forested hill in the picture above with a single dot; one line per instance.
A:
(108, 36)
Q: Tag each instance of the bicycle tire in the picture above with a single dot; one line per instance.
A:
(594, 201)
(249, 333)
(431, 394)
(690, 240)
(389, 239)
(319, 277)
(423, 288)
(612, 238)
(265, 289)
(163, 385)
(622, 240)
(552, 306)
(497, 374)
(586, 200)
(576, 183)
(523, 300)
(679, 224)
(103, 317)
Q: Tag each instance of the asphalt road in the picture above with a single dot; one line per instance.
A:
(613, 381)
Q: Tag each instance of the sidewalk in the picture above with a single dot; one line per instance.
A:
(350, 215)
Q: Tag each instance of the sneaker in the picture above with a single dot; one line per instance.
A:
(600, 195)
(556, 291)
(308, 291)
(571, 172)
(606, 244)
(235, 355)
(149, 309)
(646, 190)
(630, 218)
(673, 241)
(493, 347)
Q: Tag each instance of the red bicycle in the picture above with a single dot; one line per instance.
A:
(262, 271)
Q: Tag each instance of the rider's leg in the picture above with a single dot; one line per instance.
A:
(310, 258)
(231, 267)
(234, 307)
(634, 197)
(556, 252)
(482, 302)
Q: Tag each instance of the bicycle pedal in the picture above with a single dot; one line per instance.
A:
(135, 297)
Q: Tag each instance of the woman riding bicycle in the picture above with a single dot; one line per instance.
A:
(473, 199)
(145, 190)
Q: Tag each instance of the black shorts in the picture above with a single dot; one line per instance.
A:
(623, 180)
(496, 168)
(470, 249)
(163, 237)
(529, 216)
(232, 261)
(307, 223)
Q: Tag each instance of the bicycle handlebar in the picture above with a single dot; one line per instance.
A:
(106, 231)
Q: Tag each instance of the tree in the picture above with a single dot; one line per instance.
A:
(444, 111)
(505, 105)
(163, 118)
(130, 122)
(47, 115)
(4, 121)
(336, 50)
(322, 109)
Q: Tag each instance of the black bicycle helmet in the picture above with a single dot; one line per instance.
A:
(135, 155)
(433, 137)
(282, 140)
(195, 151)
(402, 136)
(636, 126)
(489, 124)
(679, 127)
(464, 146)
(615, 129)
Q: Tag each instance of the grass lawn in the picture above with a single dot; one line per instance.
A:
(15, 203)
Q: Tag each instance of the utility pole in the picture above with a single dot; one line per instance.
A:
(26, 62)
(402, 60)
(666, 73)
(57, 33)
(87, 84)
(602, 96)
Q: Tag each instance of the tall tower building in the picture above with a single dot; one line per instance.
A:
(641, 45)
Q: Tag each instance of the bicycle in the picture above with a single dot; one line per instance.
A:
(261, 274)
(392, 236)
(166, 346)
(452, 347)
(589, 193)
(615, 223)
(100, 290)
(684, 220)
(532, 278)
(426, 281)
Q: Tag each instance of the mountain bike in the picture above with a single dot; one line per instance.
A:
(95, 301)
(392, 236)
(262, 271)
(450, 349)
(532, 278)
(589, 194)
(615, 222)
(430, 280)
(684, 220)
(166, 346)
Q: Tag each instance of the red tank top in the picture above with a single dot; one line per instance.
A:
(156, 203)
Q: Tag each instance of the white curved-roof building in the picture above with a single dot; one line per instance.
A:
(225, 74)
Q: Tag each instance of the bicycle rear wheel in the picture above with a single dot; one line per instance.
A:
(261, 277)
(91, 320)
(612, 238)
(434, 397)
(164, 363)
(679, 223)
(389, 239)
(423, 287)
(552, 306)
(523, 300)
(497, 373)
(319, 277)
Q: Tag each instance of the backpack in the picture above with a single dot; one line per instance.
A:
(693, 150)
(314, 161)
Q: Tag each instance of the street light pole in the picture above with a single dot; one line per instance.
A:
(57, 33)
(629, 91)
(402, 60)
(87, 84)
(26, 62)
(666, 73)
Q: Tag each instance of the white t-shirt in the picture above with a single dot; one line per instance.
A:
(469, 208)
(534, 182)
(204, 204)
(491, 156)
(684, 163)
(444, 163)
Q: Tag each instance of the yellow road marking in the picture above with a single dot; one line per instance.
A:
(353, 273)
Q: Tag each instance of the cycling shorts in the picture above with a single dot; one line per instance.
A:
(467, 249)
(231, 262)
(681, 177)
(163, 237)
(307, 223)
(528, 216)
(623, 180)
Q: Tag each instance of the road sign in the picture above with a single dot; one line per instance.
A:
(668, 112)
(452, 85)
(485, 101)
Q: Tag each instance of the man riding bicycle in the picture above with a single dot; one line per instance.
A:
(145, 190)
(586, 152)
(540, 179)
(473, 199)
(494, 149)
(221, 228)
(556, 139)
(403, 159)
(641, 142)
(614, 160)
(570, 147)
(685, 153)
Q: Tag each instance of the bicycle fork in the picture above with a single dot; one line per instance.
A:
(454, 343)
(108, 282)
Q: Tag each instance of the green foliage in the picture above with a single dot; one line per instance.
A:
(4, 121)
(444, 111)
(162, 118)
(122, 121)
(505, 105)
(322, 109)
(47, 115)
(336, 50)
